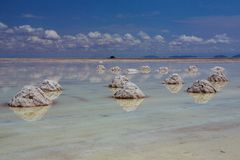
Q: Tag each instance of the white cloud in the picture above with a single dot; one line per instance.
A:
(130, 39)
(219, 38)
(144, 36)
(25, 28)
(94, 34)
(159, 38)
(31, 39)
(3, 26)
(51, 34)
(37, 40)
(185, 39)
(190, 39)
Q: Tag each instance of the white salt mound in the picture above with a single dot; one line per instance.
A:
(218, 77)
(50, 86)
(100, 68)
(129, 91)
(145, 69)
(218, 69)
(192, 69)
(118, 81)
(163, 70)
(174, 79)
(201, 86)
(115, 70)
(30, 96)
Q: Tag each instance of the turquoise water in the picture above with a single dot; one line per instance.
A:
(86, 123)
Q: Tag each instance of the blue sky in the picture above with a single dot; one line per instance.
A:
(91, 28)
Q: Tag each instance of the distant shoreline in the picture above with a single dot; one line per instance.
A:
(117, 59)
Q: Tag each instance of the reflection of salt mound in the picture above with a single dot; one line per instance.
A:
(174, 88)
(30, 96)
(202, 98)
(95, 79)
(129, 91)
(219, 85)
(53, 95)
(145, 69)
(100, 69)
(50, 85)
(218, 77)
(129, 104)
(30, 113)
(118, 81)
(192, 69)
(174, 79)
(115, 70)
(201, 86)
(163, 70)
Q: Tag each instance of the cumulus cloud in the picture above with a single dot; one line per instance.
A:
(51, 34)
(186, 39)
(159, 38)
(219, 38)
(26, 38)
(144, 36)
(94, 34)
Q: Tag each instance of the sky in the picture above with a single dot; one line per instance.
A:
(123, 28)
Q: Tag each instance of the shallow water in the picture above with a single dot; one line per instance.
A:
(86, 123)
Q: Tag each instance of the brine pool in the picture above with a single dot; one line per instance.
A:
(86, 123)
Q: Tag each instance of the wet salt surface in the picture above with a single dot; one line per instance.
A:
(85, 123)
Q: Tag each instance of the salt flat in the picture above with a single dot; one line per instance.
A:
(86, 123)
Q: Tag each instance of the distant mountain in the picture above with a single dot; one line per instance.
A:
(220, 56)
(150, 56)
(182, 56)
(236, 56)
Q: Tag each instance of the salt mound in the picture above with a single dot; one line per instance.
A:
(174, 79)
(118, 81)
(192, 69)
(163, 70)
(100, 68)
(129, 91)
(145, 69)
(218, 77)
(115, 70)
(202, 86)
(50, 86)
(218, 69)
(30, 96)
